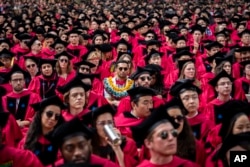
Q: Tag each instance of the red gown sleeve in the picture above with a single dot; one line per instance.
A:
(200, 153)
(239, 93)
(34, 98)
(130, 153)
(34, 85)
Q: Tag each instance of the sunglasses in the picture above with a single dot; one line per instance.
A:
(50, 114)
(31, 65)
(121, 68)
(145, 78)
(63, 60)
(84, 68)
(179, 118)
(165, 134)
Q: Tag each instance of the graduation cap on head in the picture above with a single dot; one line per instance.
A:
(225, 32)
(33, 58)
(183, 85)
(210, 59)
(150, 32)
(105, 48)
(47, 61)
(39, 30)
(179, 38)
(15, 69)
(246, 31)
(86, 36)
(154, 67)
(59, 41)
(120, 54)
(79, 165)
(124, 29)
(196, 129)
(23, 36)
(153, 42)
(141, 25)
(64, 53)
(89, 76)
(73, 31)
(139, 71)
(6, 53)
(156, 118)
(53, 100)
(124, 42)
(244, 49)
(5, 40)
(84, 62)
(153, 53)
(49, 35)
(140, 91)
(213, 44)
(222, 74)
(99, 33)
(202, 18)
(67, 129)
(74, 83)
(172, 34)
(218, 15)
(4, 116)
(32, 41)
(181, 63)
(241, 139)
(181, 53)
(197, 27)
(219, 60)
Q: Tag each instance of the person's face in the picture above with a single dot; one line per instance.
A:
(4, 45)
(221, 40)
(176, 114)
(49, 42)
(84, 69)
(241, 28)
(98, 40)
(161, 146)
(6, 61)
(37, 46)
(149, 37)
(150, 47)
(40, 37)
(63, 62)
(94, 25)
(47, 69)
(189, 71)
(190, 100)
(197, 35)
(113, 25)
(181, 44)
(143, 107)
(144, 80)
(202, 23)
(245, 39)
(102, 120)
(64, 37)
(59, 48)
(76, 150)
(37, 20)
(77, 98)
(175, 20)
(94, 58)
(245, 55)
(31, 67)
(227, 67)
(17, 82)
(213, 50)
(224, 86)
(125, 36)
(122, 70)
(155, 60)
(74, 38)
(241, 125)
(50, 116)
(122, 48)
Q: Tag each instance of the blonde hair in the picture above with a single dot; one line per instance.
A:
(59, 70)
(94, 54)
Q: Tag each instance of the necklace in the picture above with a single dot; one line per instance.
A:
(117, 91)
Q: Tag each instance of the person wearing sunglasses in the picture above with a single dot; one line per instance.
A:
(64, 68)
(48, 116)
(123, 153)
(157, 136)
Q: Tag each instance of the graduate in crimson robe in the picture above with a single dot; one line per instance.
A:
(222, 83)
(158, 133)
(11, 156)
(6, 60)
(141, 97)
(46, 83)
(76, 132)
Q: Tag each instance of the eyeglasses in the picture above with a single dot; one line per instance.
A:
(145, 78)
(84, 68)
(179, 118)
(63, 60)
(149, 36)
(123, 68)
(39, 44)
(165, 134)
(102, 123)
(225, 83)
(31, 65)
(50, 114)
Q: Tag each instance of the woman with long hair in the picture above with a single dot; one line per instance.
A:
(47, 118)
(64, 68)
(123, 152)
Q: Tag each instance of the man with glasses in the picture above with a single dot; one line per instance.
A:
(18, 101)
(222, 84)
(115, 87)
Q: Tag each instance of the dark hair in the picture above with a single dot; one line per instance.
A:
(35, 130)
(219, 68)
(119, 62)
(159, 84)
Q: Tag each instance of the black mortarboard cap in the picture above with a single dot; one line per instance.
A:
(32, 41)
(75, 82)
(183, 53)
(123, 53)
(154, 68)
(65, 130)
(53, 100)
(99, 33)
(213, 44)
(90, 76)
(64, 53)
(139, 71)
(59, 41)
(6, 53)
(4, 116)
(73, 31)
(105, 48)
(244, 63)
(79, 165)
(183, 84)
(49, 35)
(152, 53)
(246, 31)
(47, 61)
(222, 74)
(218, 15)
(140, 25)
(23, 36)
(216, 55)
(5, 40)
(219, 60)
(140, 91)
(14, 70)
(175, 40)
(124, 29)
(33, 58)
(181, 63)
(84, 62)
(39, 30)
(244, 49)
(153, 42)
(122, 41)
(197, 28)
(202, 18)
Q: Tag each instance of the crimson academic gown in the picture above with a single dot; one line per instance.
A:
(94, 160)
(11, 133)
(95, 101)
(77, 52)
(176, 162)
(241, 87)
(126, 120)
(62, 81)
(11, 157)
(236, 70)
(125, 104)
(210, 162)
(47, 53)
(68, 116)
(43, 86)
(24, 111)
(19, 52)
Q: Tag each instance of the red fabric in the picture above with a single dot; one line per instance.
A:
(48, 53)
(77, 51)
(34, 98)
(96, 100)
(19, 52)
(97, 86)
(176, 162)
(18, 158)
(211, 163)
(11, 133)
(62, 81)
(130, 153)
(236, 68)
(213, 137)
(239, 93)
(68, 116)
